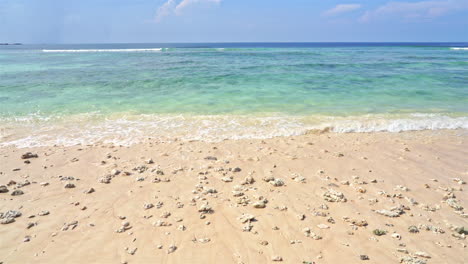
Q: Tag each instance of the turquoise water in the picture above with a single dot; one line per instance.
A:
(272, 90)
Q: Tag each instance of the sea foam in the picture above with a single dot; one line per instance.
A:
(127, 130)
(99, 50)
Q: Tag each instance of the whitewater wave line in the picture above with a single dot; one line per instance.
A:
(100, 50)
(128, 130)
(459, 48)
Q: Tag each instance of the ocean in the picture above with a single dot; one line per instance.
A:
(128, 93)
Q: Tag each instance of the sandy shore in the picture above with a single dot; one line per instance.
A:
(323, 198)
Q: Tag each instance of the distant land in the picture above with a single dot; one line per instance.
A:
(11, 44)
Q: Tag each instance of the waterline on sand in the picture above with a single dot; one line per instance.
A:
(127, 129)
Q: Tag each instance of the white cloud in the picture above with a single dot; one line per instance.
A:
(409, 10)
(340, 9)
(177, 6)
(185, 3)
(165, 10)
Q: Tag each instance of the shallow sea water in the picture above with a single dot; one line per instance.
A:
(126, 93)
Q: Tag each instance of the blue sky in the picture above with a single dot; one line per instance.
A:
(144, 21)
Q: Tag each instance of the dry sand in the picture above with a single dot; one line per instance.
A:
(184, 208)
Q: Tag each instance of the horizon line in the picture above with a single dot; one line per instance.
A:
(235, 42)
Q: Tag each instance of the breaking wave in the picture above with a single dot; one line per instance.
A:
(99, 50)
(126, 129)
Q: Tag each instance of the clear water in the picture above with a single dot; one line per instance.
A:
(124, 93)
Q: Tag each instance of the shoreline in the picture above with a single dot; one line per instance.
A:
(129, 129)
(320, 204)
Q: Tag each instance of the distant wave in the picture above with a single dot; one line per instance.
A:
(127, 129)
(100, 50)
(459, 48)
